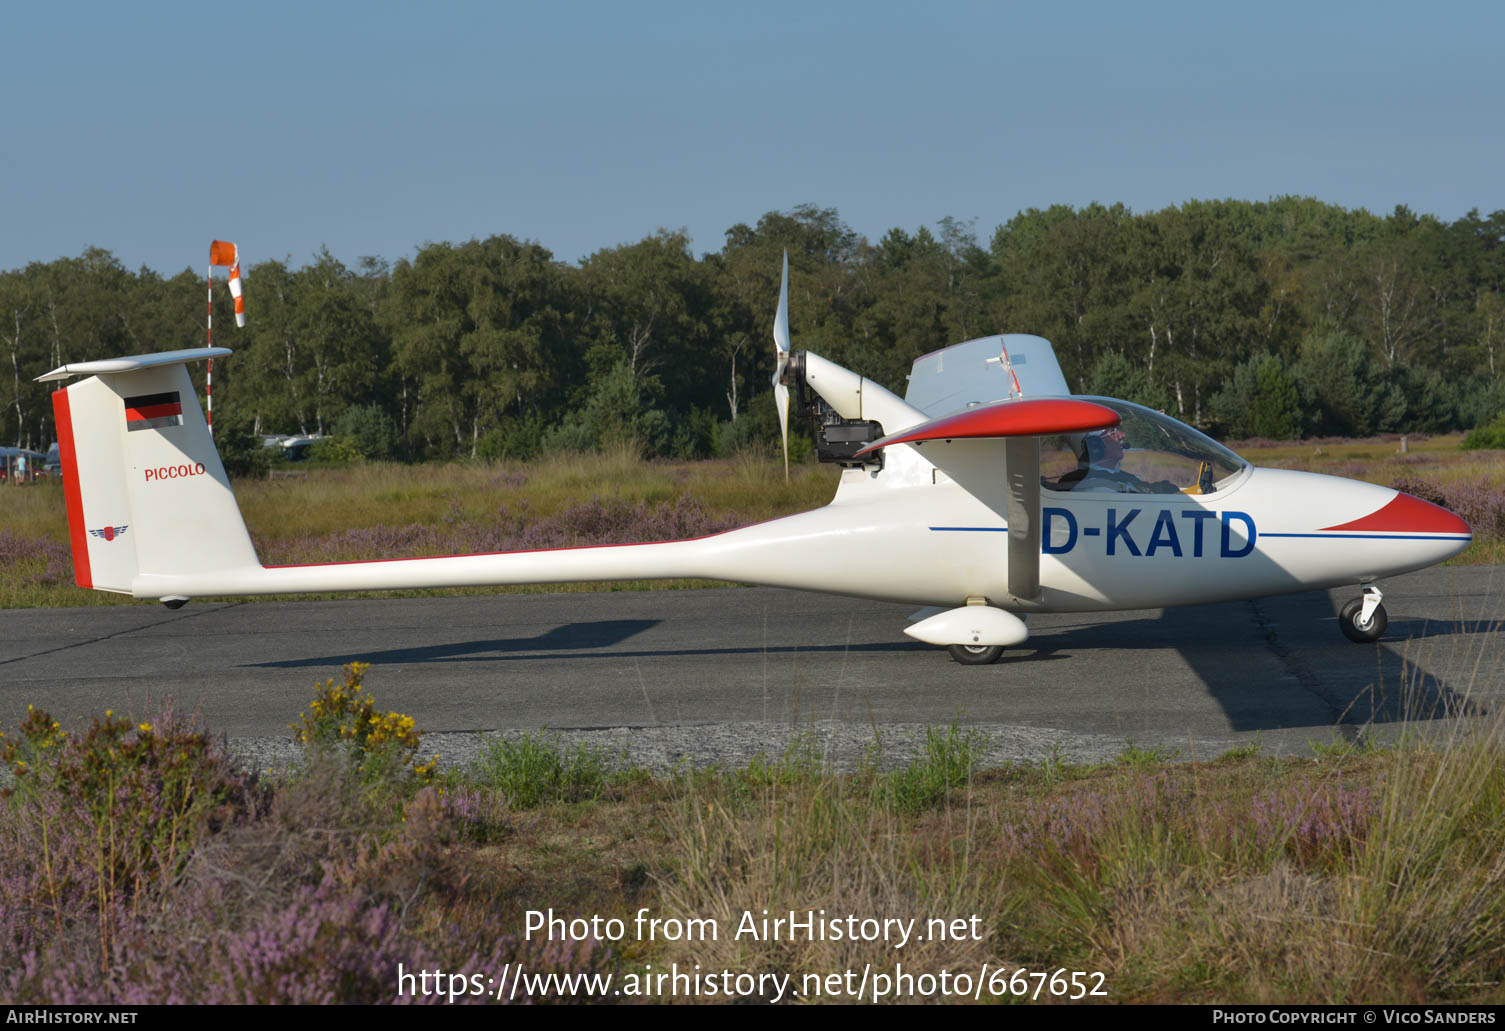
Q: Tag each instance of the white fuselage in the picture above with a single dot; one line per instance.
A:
(151, 513)
(934, 543)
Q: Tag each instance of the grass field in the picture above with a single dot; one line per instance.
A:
(382, 510)
(138, 865)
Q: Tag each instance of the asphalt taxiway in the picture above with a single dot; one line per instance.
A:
(717, 675)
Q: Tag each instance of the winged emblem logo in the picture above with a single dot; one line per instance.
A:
(109, 533)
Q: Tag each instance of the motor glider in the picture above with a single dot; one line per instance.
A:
(989, 491)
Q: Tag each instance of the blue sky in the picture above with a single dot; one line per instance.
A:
(372, 128)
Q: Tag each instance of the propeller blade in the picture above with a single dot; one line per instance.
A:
(781, 320)
(781, 354)
(781, 399)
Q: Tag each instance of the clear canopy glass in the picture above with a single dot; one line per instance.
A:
(1148, 453)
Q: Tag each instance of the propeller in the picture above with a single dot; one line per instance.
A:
(781, 354)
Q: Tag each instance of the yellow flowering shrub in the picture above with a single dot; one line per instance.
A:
(345, 714)
(38, 739)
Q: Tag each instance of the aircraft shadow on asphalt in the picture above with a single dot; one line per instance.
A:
(1381, 683)
(564, 643)
(1232, 647)
(1298, 634)
(569, 637)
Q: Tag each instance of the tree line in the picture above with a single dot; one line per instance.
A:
(1282, 318)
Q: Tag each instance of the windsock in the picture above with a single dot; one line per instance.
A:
(223, 253)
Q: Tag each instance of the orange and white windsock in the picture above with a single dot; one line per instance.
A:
(227, 254)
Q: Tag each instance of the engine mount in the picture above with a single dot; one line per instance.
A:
(837, 439)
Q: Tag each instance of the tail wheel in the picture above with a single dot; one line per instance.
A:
(1354, 627)
(976, 654)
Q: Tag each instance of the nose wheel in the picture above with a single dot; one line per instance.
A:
(975, 654)
(1363, 620)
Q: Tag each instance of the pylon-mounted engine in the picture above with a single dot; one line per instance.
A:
(837, 439)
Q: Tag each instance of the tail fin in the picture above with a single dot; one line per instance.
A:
(145, 490)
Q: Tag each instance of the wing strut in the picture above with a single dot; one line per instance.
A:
(1022, 455)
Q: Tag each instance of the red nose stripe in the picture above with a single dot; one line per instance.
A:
(1406, 514)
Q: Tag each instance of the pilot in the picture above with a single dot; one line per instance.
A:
(1098, 469)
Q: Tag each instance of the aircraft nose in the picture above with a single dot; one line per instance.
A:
(1408, 514)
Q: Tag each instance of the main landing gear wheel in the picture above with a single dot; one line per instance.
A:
(975, 654)
(1356, 628)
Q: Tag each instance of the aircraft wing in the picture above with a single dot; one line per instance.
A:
(975, 372)
(1024, 417)
(971, 445)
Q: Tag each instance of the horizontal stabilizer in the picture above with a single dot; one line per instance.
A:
(1031, 417)
(134, 363)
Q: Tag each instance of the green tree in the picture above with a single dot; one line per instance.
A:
(337, 336)
(1261, 399)
(1114, 375)
(1198, 305)
(21, 337)
(1070, 278)
(239, 446)
(650, 301)
(478, 335)
(1277, 402)
(273, 371)
(1344, 389)
(370, 429)
(620, 410)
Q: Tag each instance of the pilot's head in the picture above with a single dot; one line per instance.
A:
(1106, 447)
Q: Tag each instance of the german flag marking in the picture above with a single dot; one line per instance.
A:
(153, 411)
